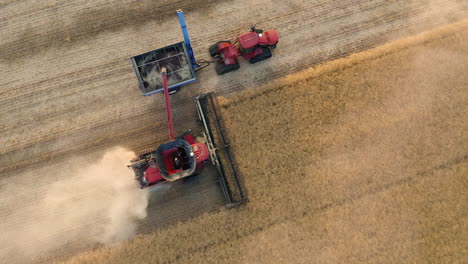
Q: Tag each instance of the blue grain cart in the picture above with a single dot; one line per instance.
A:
(177, 58)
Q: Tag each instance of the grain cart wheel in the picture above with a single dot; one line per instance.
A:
(214, 50)
(222, 68)
(265, 55)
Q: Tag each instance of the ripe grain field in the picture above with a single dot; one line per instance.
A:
(68, 92)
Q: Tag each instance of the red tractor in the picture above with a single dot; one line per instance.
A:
(255, 46)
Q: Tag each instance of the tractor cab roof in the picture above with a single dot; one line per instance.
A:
(248, 40)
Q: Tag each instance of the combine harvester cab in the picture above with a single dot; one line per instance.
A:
(171, 161)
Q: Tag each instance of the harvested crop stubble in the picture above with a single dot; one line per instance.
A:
(359, 160)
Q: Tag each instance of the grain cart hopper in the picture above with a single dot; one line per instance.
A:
(177, 58)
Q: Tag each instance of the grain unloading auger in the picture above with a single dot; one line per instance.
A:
(186, 155)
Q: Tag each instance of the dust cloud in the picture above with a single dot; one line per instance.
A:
(96, 204)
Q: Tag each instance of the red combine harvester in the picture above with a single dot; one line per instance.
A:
(171, 161)
(255, 46)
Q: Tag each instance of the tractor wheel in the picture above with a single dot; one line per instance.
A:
(214, 50)
(265, 55)
(222, 68)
